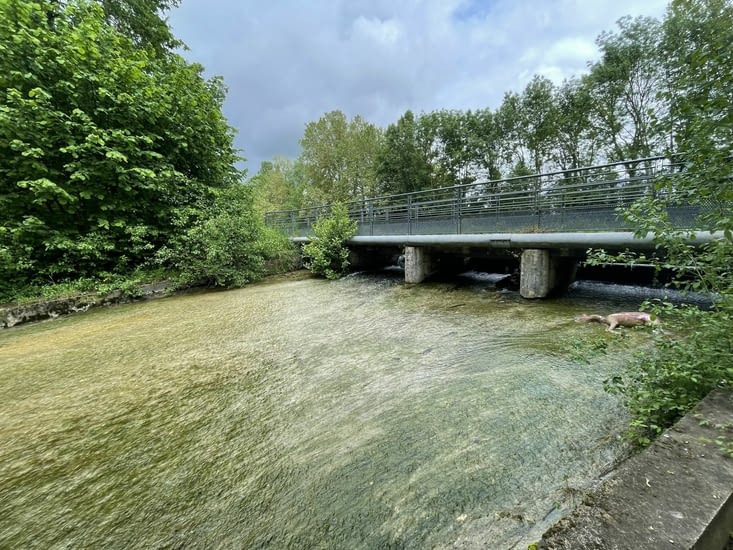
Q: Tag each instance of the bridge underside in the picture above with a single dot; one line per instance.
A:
(548, 261)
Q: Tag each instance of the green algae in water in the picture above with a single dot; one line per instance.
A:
(300, 413)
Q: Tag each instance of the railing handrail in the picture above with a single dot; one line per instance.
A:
(394, 199)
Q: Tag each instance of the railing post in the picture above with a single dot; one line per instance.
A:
(409, 214)
(370, 206)
(457, 211)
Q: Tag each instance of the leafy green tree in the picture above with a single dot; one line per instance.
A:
(694, 354)
(228, 247)
(451, 154)
(576, 142)
(279, 185)
(340, 158)
(511, 127)
(327, 254)
(528, 124)
(539, 121)
(103, 144)
(141, 20)
(484, 143)
(625, 84)
(462, 146)
(403, 165)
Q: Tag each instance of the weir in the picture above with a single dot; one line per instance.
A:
(362, 413)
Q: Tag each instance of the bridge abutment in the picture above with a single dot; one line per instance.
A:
(418, 264)
(541, 273)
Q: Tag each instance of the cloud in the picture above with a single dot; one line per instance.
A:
(286, 63)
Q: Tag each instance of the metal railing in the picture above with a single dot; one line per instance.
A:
(584, 199)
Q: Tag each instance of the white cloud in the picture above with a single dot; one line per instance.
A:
(288, 62)
(381, 33)
(571, 49)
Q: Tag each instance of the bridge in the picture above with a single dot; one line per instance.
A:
(551, 219)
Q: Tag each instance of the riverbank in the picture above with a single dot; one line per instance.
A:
(16, 314)
(677, 493)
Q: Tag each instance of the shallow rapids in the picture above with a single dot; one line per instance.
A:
(299, 413)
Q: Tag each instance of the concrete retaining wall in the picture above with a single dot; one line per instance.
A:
(676, 494)
(13, 315)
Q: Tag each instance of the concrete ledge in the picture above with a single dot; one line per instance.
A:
(573, 240)
(678, 493)
(11, 316)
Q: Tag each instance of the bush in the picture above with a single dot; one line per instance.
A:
(693, 354)
(327, 255)
(229, 248)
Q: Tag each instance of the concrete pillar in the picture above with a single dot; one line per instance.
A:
(536, 273)
(417, 264)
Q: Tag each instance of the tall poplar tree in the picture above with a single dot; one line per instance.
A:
(340, 158)
(403, 165)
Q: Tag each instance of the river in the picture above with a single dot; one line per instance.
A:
(301, 413)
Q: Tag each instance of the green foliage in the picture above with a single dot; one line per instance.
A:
(228, 248)
(103, 143)
(694, 351)
(129, 284)
(691, 356)
(279, 185)
(625, 85)
(140, 20)
(577, 142)
(278, 250)
(326, 254)
(586, 348)
(340, 158)
(403, 163)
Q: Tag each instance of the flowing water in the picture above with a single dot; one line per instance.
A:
(299, 413)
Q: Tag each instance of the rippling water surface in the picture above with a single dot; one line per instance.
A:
(299, 413)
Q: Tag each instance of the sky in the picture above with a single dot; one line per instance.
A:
(288, 62)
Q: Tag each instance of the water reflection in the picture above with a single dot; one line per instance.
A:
(301, 413)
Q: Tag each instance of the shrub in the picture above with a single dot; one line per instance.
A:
(327, 255)
(229, 248)
(692, 355)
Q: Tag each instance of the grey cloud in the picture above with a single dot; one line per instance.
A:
(287, 62)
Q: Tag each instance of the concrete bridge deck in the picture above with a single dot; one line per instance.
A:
(614, 240)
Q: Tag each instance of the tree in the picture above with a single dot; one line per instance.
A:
(221, 248)
(141, 20)
(340, 158)
(484, 143)
(577, 143)
(527, 123)
(279, 185)
(104, 147)
(511, 127)
(539, 121)
(625, 84)
(402, 164)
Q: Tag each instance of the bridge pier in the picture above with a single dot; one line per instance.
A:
(418, 264)
(541, 273)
